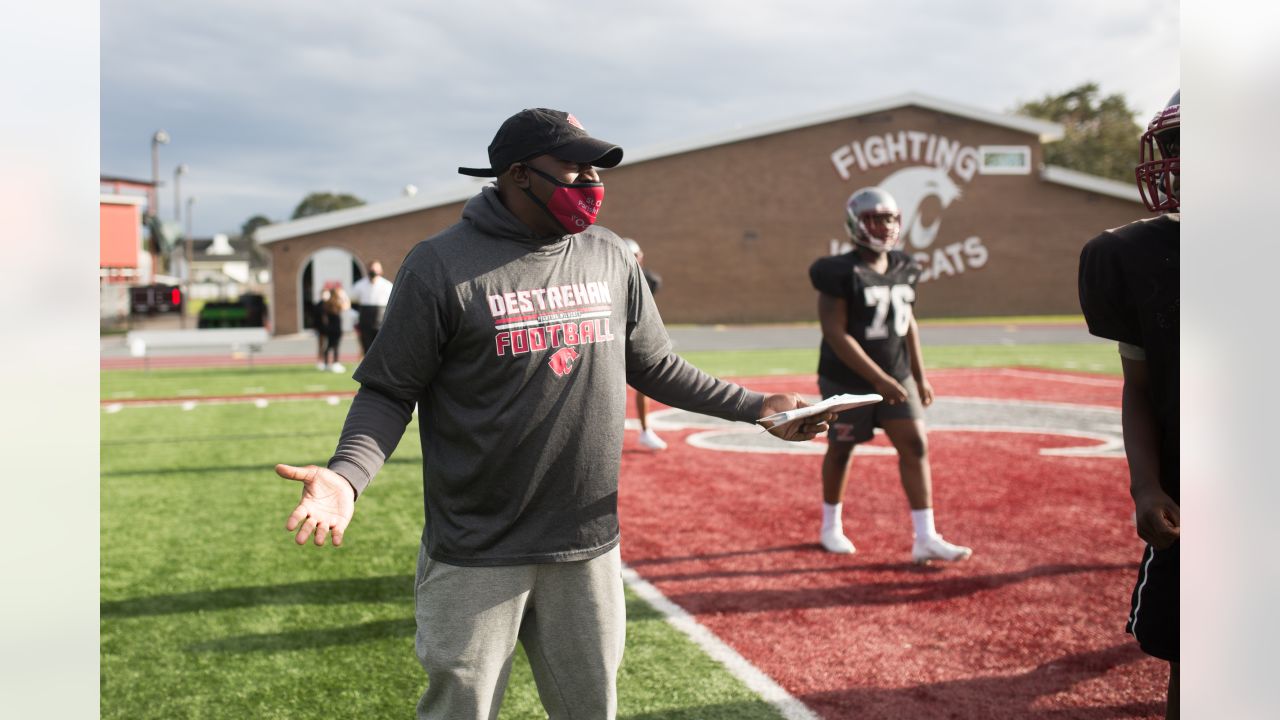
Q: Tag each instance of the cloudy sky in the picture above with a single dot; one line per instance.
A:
(266, 102)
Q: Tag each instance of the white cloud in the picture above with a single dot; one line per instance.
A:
(367, 96)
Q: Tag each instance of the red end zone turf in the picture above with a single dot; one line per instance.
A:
(1031, 626)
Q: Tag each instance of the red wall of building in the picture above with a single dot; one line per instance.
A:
(121, 232)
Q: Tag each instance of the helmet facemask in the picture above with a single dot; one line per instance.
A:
(877, 231)
(872, 220)
(1157, 171)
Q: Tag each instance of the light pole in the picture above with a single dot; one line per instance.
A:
(190, 267)
(178, 172)
(160, 137)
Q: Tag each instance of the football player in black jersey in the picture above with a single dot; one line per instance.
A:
(1129, 293)
(870, 343)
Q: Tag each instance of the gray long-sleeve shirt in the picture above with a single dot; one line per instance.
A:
(517, 352)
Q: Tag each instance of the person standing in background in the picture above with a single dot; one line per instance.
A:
(871, 343)
(369, 297)
(334, 308)
(648, 438)
(318, 324)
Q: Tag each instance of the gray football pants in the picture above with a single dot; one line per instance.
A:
(570, 617)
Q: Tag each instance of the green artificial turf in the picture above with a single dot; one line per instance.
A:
(223, 381)
(1084, 357)
(209, 609)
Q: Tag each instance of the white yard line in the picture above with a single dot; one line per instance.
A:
(738, 666)
(191, 404)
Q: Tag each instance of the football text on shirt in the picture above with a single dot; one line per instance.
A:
(539, 319)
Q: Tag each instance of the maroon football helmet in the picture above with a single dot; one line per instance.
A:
(1157, 170)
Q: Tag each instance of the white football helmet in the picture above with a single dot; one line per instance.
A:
(873, 220)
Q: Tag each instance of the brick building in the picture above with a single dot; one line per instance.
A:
(733, 222)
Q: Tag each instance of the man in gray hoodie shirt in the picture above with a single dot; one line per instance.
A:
(516, 332)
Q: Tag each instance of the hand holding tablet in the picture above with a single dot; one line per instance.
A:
(835, 403)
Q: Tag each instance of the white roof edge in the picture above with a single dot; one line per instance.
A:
(121, 199)
(363, 213)
(1045, 130)
(1092, 183)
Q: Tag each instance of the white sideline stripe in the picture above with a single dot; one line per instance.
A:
(189, 405)
(738, 666)
(700, 440)
(113, 408)
(169, 402)
(1031, 403)
(1100, 382)
(1103, 444)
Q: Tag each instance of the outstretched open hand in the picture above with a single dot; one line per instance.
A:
(327, 504)
(796, 430)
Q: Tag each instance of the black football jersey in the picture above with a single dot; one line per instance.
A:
(879, 311)
(1129, 293)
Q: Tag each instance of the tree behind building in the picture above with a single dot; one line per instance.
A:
(1100, 134)
(323, 202)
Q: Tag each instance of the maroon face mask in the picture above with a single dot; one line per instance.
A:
(574, 206)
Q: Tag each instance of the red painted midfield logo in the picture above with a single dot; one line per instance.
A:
(562, 362)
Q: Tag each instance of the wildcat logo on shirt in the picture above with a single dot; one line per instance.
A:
(555, 319)
(562, 362)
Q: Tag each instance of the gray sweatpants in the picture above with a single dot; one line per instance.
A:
(570, 617)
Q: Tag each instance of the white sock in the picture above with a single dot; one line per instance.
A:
(922, 521)
(831, 516)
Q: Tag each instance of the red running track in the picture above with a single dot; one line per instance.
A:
(1031, 626)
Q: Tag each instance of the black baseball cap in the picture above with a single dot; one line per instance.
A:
(536, 131)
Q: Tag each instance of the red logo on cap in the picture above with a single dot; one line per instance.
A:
(574, 122)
